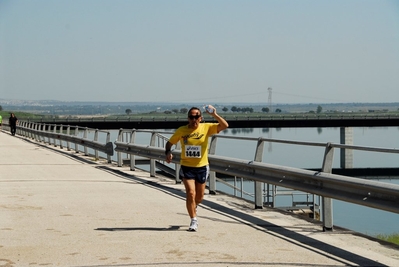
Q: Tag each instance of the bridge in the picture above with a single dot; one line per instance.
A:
(275, 121)
(60, 207)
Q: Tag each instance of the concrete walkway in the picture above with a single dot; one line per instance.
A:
(59, 208)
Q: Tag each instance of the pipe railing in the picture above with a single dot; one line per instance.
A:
(354, 190)
(60, 134)
(373, 194)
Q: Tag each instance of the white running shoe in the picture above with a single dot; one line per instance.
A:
(193, 225)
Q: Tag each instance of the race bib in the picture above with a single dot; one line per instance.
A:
(193, 151)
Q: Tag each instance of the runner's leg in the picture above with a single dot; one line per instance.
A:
(199, 192)
(189, 184)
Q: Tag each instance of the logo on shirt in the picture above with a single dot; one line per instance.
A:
(192, 135)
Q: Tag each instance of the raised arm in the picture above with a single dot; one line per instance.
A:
(222, 122)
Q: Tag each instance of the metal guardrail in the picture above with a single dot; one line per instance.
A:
(373, 194)
(62, 134)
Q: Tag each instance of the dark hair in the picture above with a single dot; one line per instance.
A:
(194, 108)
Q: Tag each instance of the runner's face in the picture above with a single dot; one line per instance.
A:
(194, 118)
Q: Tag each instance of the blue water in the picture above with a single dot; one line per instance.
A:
(355, 217)
(358, 218)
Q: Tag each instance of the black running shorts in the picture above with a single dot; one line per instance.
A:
(199, 174)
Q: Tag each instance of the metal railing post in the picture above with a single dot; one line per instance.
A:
(54, 139)
(27, 125)
(212, 174)
(47, 129)
(109, 160)
(39, 127)
(132, 157)
(327, 205)
(85, 133)
(68, 132)
(96, 139)
(258, 185)
(119, 154)
(152, 161)
(76, 144)
(177, 167)
(33, 127)
(61, 129)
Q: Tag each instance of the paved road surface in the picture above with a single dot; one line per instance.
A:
(59, 208)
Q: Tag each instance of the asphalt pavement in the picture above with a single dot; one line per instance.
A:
(62, 208)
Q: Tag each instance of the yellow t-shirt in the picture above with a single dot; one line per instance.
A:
(194, 143)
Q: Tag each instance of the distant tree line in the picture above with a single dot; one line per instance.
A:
(318, 110)
(99, 109)
(224, 109)
(176, 111)
(244, 110)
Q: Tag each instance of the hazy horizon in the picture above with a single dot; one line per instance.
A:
(227, 51)
(19, 101)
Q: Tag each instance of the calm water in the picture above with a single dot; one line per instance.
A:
(361, 219)
(358, 218)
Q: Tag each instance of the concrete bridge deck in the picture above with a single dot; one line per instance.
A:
(59, 208)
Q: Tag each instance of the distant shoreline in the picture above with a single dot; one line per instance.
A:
(98, 109)
(111, 103)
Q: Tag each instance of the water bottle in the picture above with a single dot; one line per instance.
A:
(208, 109)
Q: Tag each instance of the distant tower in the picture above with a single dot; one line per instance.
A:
(270, 99)
(270, 110)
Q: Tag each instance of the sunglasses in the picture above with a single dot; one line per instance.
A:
(194, 117)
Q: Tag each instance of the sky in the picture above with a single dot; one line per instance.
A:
(208, 51)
